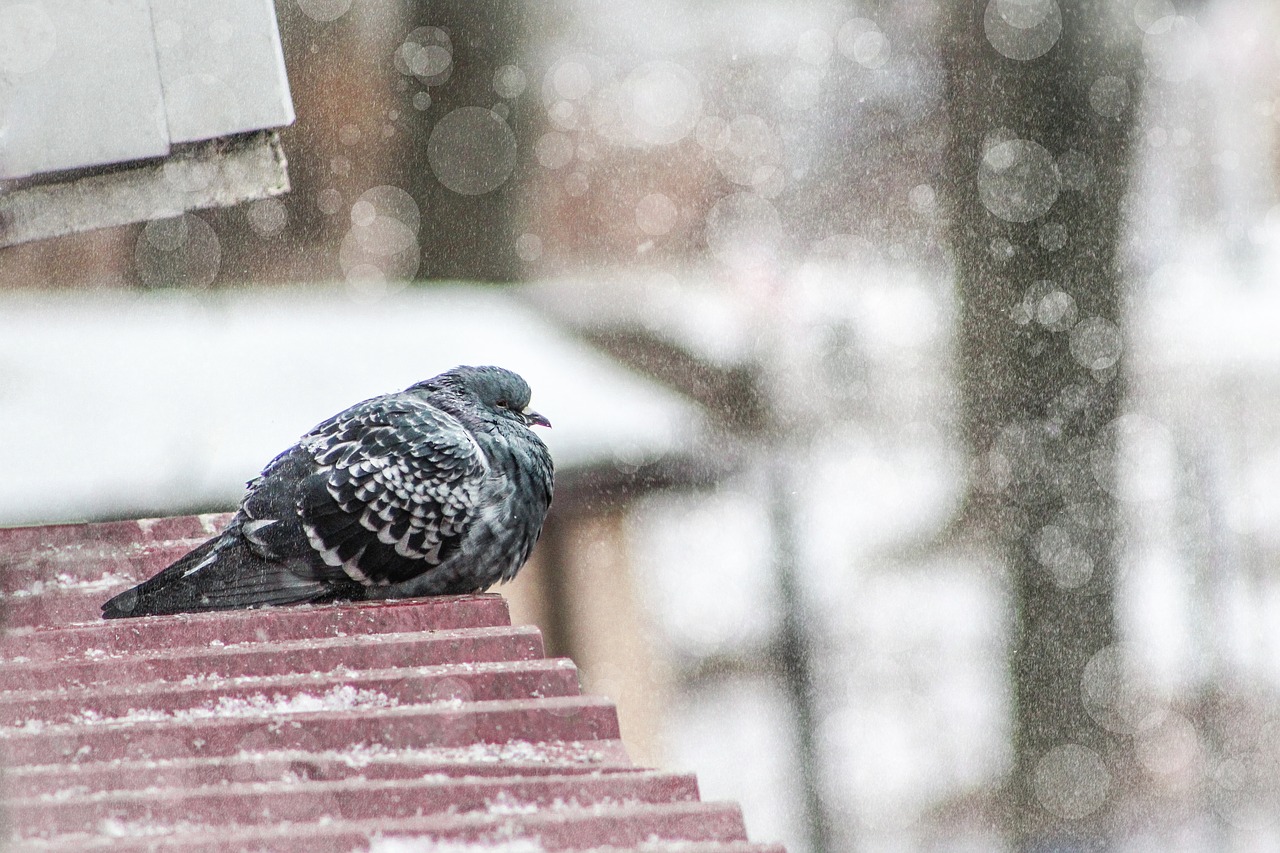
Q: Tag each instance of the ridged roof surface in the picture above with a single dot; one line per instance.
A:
(426, 725)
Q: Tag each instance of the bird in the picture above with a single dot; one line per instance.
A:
(440, 489)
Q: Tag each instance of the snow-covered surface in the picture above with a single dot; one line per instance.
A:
(63, 582)
(507, 752)
(115, 403)
(342, 697)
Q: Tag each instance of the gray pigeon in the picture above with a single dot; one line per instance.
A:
(439, 489)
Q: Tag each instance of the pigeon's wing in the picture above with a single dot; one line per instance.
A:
(397, 484)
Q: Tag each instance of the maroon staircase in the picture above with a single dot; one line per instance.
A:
(401, 726)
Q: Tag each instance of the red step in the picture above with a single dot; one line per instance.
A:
(238, 696)
(556, 719)
(31, 542)
(631, 826)
(326, 654)
(57, 574)
(87, 551)
(256, 803)
(512, 758)
(227, 628)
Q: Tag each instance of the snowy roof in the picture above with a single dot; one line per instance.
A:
(126, 401)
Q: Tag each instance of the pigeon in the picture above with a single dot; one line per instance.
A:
(440, 489)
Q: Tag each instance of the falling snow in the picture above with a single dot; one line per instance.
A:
(760, 187)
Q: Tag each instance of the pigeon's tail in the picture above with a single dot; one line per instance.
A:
(221, 574)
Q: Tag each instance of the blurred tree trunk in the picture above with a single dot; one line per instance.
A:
(470, 235)
(1035, 231)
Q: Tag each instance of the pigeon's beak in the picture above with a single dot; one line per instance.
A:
(532, 418)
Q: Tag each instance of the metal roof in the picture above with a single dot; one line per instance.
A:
(430, 724)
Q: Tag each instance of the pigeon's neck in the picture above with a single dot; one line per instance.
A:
(466, 411)
(483, 427)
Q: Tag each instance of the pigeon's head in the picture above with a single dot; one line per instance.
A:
(498, 390)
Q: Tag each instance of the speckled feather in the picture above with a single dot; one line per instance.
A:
(441, 488)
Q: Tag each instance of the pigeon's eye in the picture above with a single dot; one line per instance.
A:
(501, 404)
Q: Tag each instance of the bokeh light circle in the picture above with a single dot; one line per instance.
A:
(471, 151)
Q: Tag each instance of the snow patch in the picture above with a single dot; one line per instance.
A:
(362, 755)
(343, 697)
(64, 582)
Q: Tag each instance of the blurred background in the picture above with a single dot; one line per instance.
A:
(914, 369)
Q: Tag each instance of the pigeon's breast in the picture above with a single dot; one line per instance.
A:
(508, 518)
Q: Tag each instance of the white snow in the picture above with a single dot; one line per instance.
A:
(68, 583)
(342, 697)
(515, 751)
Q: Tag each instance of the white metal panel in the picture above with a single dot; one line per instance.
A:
(221, 67)
(79, 85)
